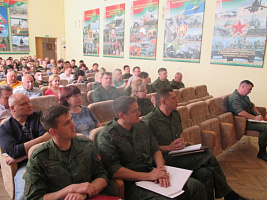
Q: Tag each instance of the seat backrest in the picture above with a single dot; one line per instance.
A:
(45, 78)
(44, 102)
(178, 95)
(188, 93)
(89, 97)
(225, 97)
(198, 112)
(84, 99)
(90, 85)
(94, 133)
(44, 88)
(216, 106)
(91, 79)
(81, 86)
(90, 74)
(120, 89)
(63, 82)
(201, 91)
(103, 111)
(186, 121)
(148, 96)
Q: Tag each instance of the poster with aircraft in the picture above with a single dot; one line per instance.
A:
(144, 28)
(183, 30)
(14, 32)
(240, 30)
(114, 31)
(91, 32)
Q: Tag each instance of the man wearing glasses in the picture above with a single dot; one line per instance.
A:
(19, 133)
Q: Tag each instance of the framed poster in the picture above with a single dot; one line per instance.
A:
(239, 36)
(91, 32)
(14, 32)
(144, 27)
(114, 31)
(183, 30)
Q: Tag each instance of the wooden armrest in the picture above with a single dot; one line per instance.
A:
(115, 187)
(227, 132)
(206, 141)
(240, 126)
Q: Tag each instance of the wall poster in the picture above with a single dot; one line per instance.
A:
(183, 30)
(91, 32)
(114, 31)
(143, 31)
(240, 30)
(14, 33)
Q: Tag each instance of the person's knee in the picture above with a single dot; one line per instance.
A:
(194, 189)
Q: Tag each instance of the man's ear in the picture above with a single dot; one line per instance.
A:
(121, 115)
(12, 108)
(52, 131)
(163, 101)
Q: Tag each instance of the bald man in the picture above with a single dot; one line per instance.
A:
(19, 133)
(177, 83)
(27, 87)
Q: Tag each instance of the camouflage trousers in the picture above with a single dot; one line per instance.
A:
(262, 128)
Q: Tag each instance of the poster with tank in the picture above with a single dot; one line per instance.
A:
(143, 30)
(114, 18)
(91, 32)
(240, 30)
(14, 32)
(183, 30)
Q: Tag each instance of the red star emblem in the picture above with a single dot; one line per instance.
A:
(239, 27)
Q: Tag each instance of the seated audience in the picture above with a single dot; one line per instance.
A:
(23, 63)
(98, 80)
(240, 105)
(25, 70)
(165, 124)
(83, 67)
(136, 72)
(66, 75)
(15, 66)
(82, 116)
(94, 68)
(117, 78)
(38, 79)
(11, 79)
(129, 151)
(162, 82)
(37, 65)
(128, 90)
(105, 91)
(139, 92)
(54, 70)
(5, 92)
(126, 74)
(32, 68)
(145, 78)
(54, 88)
(27, 87)
(177, 83)
(79, 77)
(77, 171)
(18, 134)
(44, 65)
(102, 70)
(73, 64)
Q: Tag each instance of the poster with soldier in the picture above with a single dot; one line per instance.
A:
(114, 31)
(143, 30)
(14, 33)
(240, 30)
(183, 30)
(91, 32)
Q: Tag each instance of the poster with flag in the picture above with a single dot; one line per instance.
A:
(144, 28)
(240, 30)
(91, 32)
(183, 30)
(114, 31)
(14, 33)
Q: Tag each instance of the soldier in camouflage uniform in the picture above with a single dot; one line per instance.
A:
(177, 83)
(66, 166)
(162, 82)
(165, 123)
(130, 152)
(106, 91)
(239, 104)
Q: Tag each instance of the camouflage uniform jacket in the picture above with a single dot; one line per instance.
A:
(145, 106)
(101, 94)
(132, 149)
(237, 103)
(158, 84)
(49, 169)
(177, 85)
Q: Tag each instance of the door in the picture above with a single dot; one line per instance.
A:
(46, 47)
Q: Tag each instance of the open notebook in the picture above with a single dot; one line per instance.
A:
(188, 150)
(178, 178)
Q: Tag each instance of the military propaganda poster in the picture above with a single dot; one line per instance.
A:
(114, 31)
(143, 30)
(239, 36)
(183, 30)
(91, 32)
(14, 33)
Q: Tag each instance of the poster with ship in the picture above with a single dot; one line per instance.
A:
(91, 32)
(114, 31)
(183, 30)
(14, 32)
(240, 30)
(144, 28)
